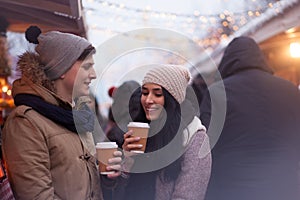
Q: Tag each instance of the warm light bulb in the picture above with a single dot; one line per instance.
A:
(291, 30)
(295, 50)
(4, 88)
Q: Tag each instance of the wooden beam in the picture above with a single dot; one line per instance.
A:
(17, 25)
(21, 28)
(82, 27)
(77, 10)
(38, 16)
(19, 18)
(48, 6)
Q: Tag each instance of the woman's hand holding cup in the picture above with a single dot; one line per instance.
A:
(131, 143)
(135, 139)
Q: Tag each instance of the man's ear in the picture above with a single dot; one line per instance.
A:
(62, 76)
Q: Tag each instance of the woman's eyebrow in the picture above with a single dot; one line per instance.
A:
(157, 89)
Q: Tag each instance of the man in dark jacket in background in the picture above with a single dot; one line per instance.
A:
(257, 153)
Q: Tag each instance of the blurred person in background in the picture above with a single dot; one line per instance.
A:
(257, 153)
(120, 111)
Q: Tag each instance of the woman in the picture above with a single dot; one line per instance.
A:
(177, 160)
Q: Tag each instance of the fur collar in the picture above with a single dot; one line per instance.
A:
(34, 81)
(30, 66)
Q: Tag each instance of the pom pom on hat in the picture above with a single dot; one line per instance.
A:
(32, 34)
(174, 78)
(111, 90)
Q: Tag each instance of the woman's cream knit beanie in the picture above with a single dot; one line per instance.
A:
(174, 78)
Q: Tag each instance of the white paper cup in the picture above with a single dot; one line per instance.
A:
(141, 130)
(105, 151)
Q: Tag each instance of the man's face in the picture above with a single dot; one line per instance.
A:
(79, 77)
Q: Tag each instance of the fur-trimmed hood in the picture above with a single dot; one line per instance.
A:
(30, 66)
(34, 81)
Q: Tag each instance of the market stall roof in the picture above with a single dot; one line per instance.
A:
(271, 30)
(61, 15)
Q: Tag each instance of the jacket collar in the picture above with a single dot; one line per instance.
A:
(191, 129)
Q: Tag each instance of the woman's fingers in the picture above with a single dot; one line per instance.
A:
(114, 175)
(134, 146)
(129, 142)
(128, 134)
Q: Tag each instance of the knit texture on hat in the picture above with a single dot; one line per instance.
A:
(59, 51)
(174, 78)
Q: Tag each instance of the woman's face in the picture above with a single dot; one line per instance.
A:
(152, 100)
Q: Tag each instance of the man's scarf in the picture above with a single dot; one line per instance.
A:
(77, 121)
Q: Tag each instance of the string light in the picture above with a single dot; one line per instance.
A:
(193, 24)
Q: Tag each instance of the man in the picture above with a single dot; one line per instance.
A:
(45, 156)
(257, 153)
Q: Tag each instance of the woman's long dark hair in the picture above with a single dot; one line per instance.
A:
(167, 133)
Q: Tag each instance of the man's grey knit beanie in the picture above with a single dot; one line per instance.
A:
(58, 51)
(174, 78)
